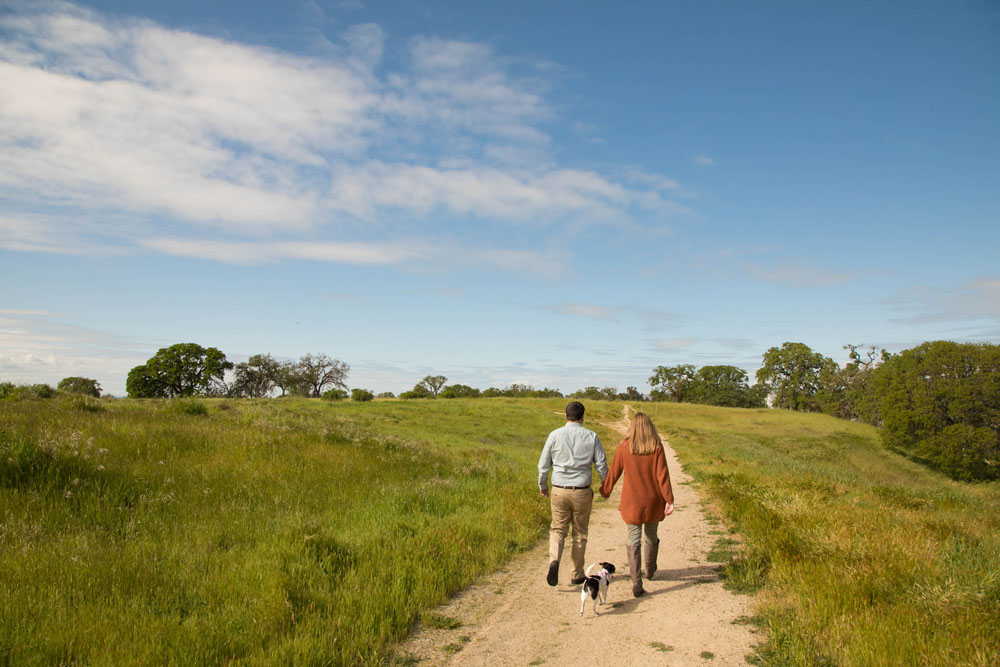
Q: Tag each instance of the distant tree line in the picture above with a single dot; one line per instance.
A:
(434, 386)
(726, 386)
(188, 369)
(938, 402)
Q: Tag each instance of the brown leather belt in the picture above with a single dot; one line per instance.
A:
(572, 488)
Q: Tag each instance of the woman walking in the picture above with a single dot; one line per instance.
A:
(647, 497)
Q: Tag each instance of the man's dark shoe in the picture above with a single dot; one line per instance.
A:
(553, 576)
(577, 582)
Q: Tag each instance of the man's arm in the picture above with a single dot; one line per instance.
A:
(600, 460)
(544, 465)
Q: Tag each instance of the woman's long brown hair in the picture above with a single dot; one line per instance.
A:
(642, 435)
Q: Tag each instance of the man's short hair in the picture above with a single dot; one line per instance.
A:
(574, 411)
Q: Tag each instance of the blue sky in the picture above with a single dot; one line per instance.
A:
(561, 194)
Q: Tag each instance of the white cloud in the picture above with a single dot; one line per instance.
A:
(604, 313)
(739, 344)
(536, 263)
(126, 120)
(197, 128)
(402, 375)
(365, 190)
(704, 160)
(657, 181)
(656, 320)
(977, 299)
(258, 252)
(40, 346)
(674, 343)
(798, 275)
(418, 253)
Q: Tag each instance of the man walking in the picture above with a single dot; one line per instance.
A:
(569, 452)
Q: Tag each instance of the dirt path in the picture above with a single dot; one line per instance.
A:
(513, 617)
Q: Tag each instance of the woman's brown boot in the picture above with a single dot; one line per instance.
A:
(649, 553)
(635, 568)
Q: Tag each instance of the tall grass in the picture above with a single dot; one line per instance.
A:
(309, 532)
(261, 532)
(861, 556)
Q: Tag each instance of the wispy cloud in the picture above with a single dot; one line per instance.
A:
(586, 131)
(402, 375)
(657, 320)
(703, 160)
(40, 346)
(977, 299)
(656, 181)
(258, 252)
(674, 343)
(21, 311)
(650, 319)
(414, 253)
(129, 120)
(798, 275)
(603, 313)
(740, 344)
(364, 190)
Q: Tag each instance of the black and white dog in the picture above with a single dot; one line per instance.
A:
(596, 585)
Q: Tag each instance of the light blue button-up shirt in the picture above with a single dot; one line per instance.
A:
(569, 451)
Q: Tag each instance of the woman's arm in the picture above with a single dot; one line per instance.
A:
(662, 475)
(616, 471)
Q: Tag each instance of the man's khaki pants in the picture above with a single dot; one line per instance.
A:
(570, 506)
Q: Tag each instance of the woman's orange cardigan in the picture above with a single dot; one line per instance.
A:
(647, 487)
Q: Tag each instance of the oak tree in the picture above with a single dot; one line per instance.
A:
(793, 374)
(315, 372)
(940, 401)
(433, 384)
(672, 383)
(184, 369)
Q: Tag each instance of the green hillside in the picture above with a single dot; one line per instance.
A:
(296, 531)
(864, 557)
(307, 532)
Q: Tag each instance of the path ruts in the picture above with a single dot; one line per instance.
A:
(512, 617)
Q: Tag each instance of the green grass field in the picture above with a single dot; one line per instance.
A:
(272, 531)
(306, 532)
(861, 557)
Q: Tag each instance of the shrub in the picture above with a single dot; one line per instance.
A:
(459, 391)
(386, 394)
(19, 392)
(80, 385)
(361, 395)
(84, 403)
(414, 394)
(545, 393)
(334, 395)
(588, 393)
(188, 406)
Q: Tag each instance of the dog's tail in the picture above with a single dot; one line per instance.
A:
(591, 568)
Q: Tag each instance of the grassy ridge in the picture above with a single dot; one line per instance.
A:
(305, 532)
(864, 557)
(290, 531)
